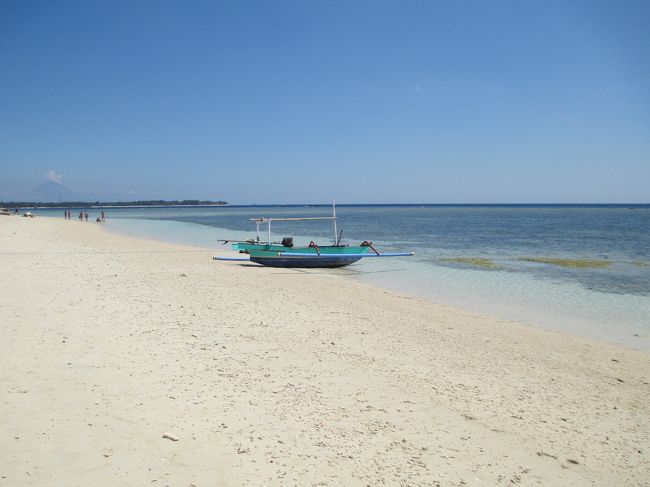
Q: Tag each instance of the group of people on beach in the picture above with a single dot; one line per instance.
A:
(83, 215)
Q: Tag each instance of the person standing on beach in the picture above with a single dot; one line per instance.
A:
(86, 215)
(103, 218)
(81, 216)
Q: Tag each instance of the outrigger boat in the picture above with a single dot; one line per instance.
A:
(284, 254)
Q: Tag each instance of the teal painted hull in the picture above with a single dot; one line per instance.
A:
(325, 249)
(247, 247)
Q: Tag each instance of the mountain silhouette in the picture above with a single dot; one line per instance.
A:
(52, 192)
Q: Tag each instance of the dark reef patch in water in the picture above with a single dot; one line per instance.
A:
(480, 262)
(572, 263)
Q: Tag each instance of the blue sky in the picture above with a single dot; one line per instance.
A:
(289, 102)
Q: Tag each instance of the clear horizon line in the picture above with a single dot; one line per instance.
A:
(108, 203)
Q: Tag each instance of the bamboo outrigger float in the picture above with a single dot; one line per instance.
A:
(284, 254)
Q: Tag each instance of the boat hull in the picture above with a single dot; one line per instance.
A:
(305, 257)
(322, 261)
(246, 247)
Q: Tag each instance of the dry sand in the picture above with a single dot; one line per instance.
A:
(279, 377)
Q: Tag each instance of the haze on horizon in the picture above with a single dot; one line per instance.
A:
(297, 102)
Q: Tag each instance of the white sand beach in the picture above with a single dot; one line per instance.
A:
(279, 377)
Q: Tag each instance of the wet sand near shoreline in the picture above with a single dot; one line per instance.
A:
(277, 377)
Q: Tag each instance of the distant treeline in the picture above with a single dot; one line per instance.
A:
(87, 204)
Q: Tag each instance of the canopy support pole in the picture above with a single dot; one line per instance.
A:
(336, 241)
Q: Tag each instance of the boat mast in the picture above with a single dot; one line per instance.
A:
(336, 242)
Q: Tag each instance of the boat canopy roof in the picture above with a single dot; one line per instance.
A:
(266, 220)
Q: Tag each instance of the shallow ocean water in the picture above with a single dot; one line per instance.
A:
(469, 256)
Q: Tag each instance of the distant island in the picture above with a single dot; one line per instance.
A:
(87, 204)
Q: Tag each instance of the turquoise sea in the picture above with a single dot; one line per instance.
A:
(485, 258)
